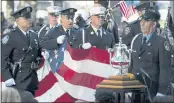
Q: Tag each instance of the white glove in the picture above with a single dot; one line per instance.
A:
(45, 54)
(86, 46)
(60, 39)
(159, 94)
(10, 82)
(109, 50)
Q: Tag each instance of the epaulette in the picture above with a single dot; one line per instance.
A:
(8, 31)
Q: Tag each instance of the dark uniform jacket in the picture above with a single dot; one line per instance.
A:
(49, 41)
(44, 31)
(14, 45)
(155, 60)
(130, 31)
(107, 40)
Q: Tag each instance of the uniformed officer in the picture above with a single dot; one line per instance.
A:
(151, 55)
(95, 35)
(109, 23)
(65, 30)
(20, 50)
(134, 28)
(53, 13)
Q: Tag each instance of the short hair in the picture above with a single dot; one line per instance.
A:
(10, 94)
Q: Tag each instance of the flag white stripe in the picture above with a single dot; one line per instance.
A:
(52, 94)
(93, 67)
(76, 91)
(44, 71)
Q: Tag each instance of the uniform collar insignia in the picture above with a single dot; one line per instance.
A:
(92, 33)
(148, 44)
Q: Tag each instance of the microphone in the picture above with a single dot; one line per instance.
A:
(144, 79)
(145, 73)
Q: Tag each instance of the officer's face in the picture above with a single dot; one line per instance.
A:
(147, 26)
(67, 21)
(97, 20)
(24, 22)
(52, 18)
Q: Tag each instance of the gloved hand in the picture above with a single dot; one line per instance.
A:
(109, 50)
(159, 94)
(60, 39)
(10, 82)
(86, 46)
(45, 54)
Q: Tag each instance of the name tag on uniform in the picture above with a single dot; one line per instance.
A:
(149, 53)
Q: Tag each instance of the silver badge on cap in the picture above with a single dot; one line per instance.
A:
(5, 39)
(151, 4)
(28, 9)
(71, 10)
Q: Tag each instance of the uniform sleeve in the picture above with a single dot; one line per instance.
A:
(165, 67)
(78, 39)
(127, 35)
(48, 42)
(5, 53)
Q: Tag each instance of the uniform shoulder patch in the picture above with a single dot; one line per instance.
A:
(127, 30)
(6, 31)
(5, 39)
(167, 45)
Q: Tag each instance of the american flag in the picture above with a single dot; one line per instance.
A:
(71, 74)
(126, 11)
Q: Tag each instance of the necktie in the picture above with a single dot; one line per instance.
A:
(98, 32)
(143, 43)
(27, 35)
(67, 32)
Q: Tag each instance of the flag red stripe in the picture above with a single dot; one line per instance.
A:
(46, 84)
(82, 79)
(123, 8)
(94, 54)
